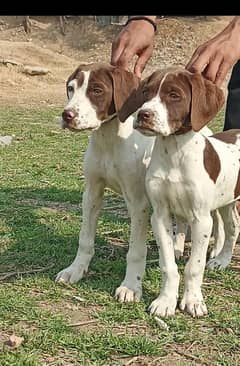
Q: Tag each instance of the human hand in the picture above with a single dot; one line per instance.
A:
(215, 57)
(136, 38)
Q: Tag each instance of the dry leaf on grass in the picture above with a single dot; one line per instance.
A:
(14, 341)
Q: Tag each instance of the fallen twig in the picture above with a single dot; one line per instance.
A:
(112, 238)
(125, 327)
(235, 267)
(152, 261)
(10, 61)
(129, 362)
(136, 326)
(113, 207)
(117, 242)
(187, 355)
(3, 276)
(191, 345)
(112, 231)
(78, 298)
(86, 322)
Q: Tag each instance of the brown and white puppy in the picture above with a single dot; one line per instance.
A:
(189, 175)
(117, 157)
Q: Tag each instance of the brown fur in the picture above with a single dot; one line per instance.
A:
(211, 161)
(207, 99)
(237, 187)
(230, 136)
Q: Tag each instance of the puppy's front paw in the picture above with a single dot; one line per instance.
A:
(125, 294)
(163, 306)
(71, 274)
(195, 305)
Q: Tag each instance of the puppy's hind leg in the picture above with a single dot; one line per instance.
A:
(218, 233)
(131, 287)
(180, 231)
(230, 218)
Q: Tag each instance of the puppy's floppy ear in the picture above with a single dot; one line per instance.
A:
(131, 104)
(124, 84)
(207, 100)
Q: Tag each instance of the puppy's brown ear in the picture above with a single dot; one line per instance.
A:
(131, 104)
(207, 100)
(125, 84)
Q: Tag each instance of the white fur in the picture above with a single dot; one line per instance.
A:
(177, 182)
(160, 118)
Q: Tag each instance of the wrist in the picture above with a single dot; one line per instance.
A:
(233, 29)
(150, 19)
(236, 21)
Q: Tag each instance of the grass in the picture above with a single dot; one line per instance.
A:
(41, 187)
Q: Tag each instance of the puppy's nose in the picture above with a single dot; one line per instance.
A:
(144, 115)
(68, 115)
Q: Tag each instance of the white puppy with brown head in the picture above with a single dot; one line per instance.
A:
(117, 157)
(189, 175)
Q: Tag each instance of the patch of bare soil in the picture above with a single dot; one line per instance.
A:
(84, 41)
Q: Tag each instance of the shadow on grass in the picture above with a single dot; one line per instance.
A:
(40, 229)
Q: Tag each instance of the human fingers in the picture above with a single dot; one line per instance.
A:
(212, 69)
(192, 59)
(125, 58)
(222, 72)
(117, 48)
(198, 62)
(142, 61)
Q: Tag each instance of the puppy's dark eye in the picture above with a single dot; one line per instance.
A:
(175, 96)
(70, 89)
(97, 91)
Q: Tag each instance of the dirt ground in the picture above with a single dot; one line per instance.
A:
(84, 41)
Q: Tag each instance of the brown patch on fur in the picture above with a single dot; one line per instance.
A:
(78, 75)
(238, 206)
(100, 79)
(80, 79)
(211, 161)
(230, 136)
(237, 187)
